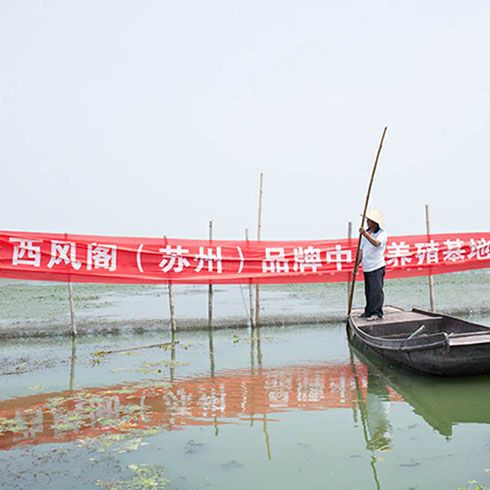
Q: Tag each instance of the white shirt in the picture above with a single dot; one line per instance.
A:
(373, 257)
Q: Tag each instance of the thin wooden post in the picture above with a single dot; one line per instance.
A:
(431, 279)
(74, 332)
(250, 293)
(259, 233)
(210, 290)
(173, 323)
(366, 204)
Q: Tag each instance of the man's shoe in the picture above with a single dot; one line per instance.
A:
(373, 318)
(363, 315)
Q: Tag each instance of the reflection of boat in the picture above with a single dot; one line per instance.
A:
(443, 402)
(431, 343)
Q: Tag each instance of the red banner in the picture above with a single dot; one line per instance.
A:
(103, 259)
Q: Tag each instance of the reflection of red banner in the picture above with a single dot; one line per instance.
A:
(85, 258)
(240, 395)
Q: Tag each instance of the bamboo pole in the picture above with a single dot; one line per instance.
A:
(431, 279)
(73, 317)
(259, 234)
(173, 323)
(74, 331)
(250, 292)
(210, 290)
(356, 263)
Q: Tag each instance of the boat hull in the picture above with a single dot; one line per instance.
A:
(436, 356)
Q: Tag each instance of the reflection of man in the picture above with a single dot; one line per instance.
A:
(377, 408)
(373, 246)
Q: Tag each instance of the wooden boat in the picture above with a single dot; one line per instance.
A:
(423, 341)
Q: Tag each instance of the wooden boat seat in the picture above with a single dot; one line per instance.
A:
(472, 338)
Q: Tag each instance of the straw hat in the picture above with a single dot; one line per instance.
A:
(376, 216)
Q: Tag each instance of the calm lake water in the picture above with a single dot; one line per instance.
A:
(287, 408)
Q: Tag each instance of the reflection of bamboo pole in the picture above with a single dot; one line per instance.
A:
(173, 356)
(267, 437)
(264, 418)
(252, 372)
(259, 349)
(212, 372)
(362, 411)
(73, 362)
(211, 352)
(366, 203)
(259, 233)
(431, 279)
(210, 291)
(250, 292)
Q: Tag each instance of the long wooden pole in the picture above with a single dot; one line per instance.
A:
(259, 233)
(431, 279)
(173, 323)
(366, 204)
(74, 331)
(210, 290)
(73, 317)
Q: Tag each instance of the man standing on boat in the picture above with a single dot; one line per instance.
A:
(373, 246)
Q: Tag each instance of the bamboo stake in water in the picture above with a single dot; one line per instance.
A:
(366, 204)
(74, 332)
(210, 291)
(173, 323)
(431, 279)
(259, 233)
(250, 292)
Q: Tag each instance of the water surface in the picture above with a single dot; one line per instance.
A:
(282, 408)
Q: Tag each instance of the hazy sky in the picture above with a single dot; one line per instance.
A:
(153, 117)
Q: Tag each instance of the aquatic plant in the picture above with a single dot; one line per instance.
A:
(145, 477)
(473, 485)
(11, 425)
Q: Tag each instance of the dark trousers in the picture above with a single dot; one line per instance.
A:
(373, 287)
